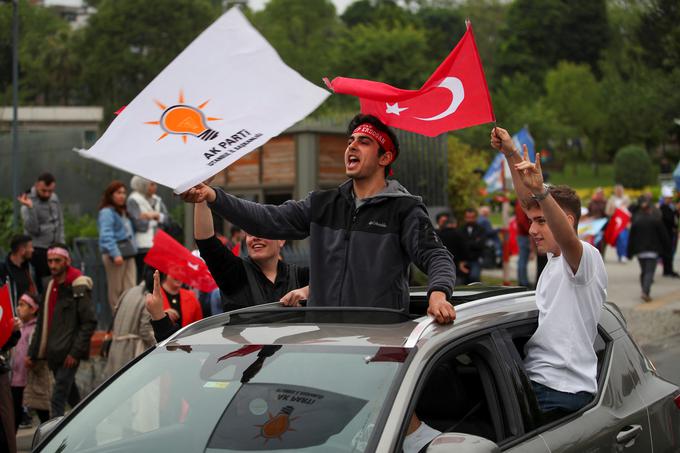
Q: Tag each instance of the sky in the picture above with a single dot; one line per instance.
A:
(340, 5)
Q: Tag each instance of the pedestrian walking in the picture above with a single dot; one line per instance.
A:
(43, 221)
(116, 242)
(474, 236)
(648, 241)
(148, 213)
(671, 218)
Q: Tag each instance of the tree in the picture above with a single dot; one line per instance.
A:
(573, 92)
(41, 34)
(659, 34)
(362, 52)
(127, 43)
(373, 12)
(302, 32)
(540, 33)
(464, 184)
(633, 167)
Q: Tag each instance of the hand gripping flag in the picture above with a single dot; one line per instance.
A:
(224, 96)
(172, 258)
(454, 97)
(6, 315)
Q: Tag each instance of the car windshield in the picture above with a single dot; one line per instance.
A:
(239, 398)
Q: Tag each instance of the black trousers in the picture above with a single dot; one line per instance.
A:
(39, 263)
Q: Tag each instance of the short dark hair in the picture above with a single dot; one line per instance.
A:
(472, 210)
(18, 240)
(47, 178)
(566, 198)
(375, 122)
(440, 215)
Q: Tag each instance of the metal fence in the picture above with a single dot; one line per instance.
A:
(87, 257)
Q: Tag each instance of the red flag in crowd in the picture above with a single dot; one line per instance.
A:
(6, 315)
(617, 223)
(454, 97)
(172, 258)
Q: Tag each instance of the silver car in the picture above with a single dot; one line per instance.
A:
(351, 379)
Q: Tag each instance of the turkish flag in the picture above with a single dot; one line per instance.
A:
(617, 223)
(172, 258)
(454, 97)
(6, 315)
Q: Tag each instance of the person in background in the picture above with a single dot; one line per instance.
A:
(492, 243)
(7, 437)
(619, 200)
(442, 219)
(524, 245)
(236, 236)
(648, 240)
(116, 242)
(454, 242)
(180, 304)
(473, 235)
(670, 217)
(17, 269)
(27, 310)
(132, 333)
(65, 325)
(147, 212)
(43, 221)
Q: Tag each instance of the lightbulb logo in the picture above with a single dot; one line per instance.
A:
(184, 120)
(277, 425)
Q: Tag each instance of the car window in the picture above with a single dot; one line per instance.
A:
(235, 398)
(460, 392)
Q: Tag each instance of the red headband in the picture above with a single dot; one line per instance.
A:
(382, 138)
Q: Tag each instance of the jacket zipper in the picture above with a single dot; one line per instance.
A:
(348, 233)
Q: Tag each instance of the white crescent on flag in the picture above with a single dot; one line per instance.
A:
(224, 96)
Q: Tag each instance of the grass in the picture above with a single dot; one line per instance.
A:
(582, 176)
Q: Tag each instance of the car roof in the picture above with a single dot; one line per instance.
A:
(353, 326)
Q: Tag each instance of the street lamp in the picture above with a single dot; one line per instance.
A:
(15, 106)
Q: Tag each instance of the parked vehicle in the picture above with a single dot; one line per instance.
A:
(349, 380)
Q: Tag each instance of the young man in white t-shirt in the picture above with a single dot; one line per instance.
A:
(560, 357)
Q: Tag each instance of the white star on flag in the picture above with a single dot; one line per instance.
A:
(394, 108)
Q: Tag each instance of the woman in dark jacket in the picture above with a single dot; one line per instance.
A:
(648, 240)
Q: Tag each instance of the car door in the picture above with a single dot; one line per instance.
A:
(617, 420)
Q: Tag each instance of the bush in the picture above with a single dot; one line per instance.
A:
(633, 168)
(6, 230)
(84, 226)
(464, 184)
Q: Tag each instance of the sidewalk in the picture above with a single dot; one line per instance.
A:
(647, 322)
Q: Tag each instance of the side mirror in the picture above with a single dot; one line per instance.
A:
(43, 430)
(461, 443)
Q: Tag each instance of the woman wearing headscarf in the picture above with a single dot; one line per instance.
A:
(147, 212)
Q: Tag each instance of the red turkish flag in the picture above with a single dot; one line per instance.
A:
(454, 97)
(617, 223)
(172, 258)
(6, 315)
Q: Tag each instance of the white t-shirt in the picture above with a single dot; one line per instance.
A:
(560, 354)
(415, 441)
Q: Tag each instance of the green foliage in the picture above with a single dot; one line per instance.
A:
(659, 34)
(304, 39)
(540, 33)
(464, 185)
(6, 229)
(41, 35)
(127, 43)
(362, 53)
(84, 226)
(633, 167)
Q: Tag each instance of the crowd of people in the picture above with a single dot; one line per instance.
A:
(364, 236)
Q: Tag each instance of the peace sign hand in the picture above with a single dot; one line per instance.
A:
(531, 174)
(154, 301)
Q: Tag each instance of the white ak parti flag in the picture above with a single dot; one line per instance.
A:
(224, 96)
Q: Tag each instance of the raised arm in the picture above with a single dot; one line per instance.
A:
(287, 221)
(502, 141)
(558, 221)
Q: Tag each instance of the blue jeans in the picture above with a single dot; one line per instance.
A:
(622, 243)
(553, 400)
(523, 261)
(475, 271)
(64, 390)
